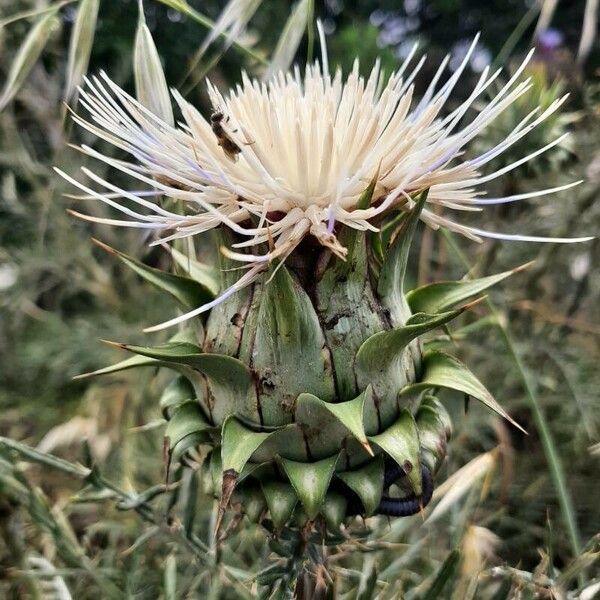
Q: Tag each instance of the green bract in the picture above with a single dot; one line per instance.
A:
(310, 385)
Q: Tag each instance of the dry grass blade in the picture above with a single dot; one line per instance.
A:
(290, 39)
(546, 14)
(27, 56)
(185, 9)
(36, 12)
(458, 484)
(80, 46)
(231, 23)
(150, 82)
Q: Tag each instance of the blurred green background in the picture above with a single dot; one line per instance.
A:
(59, 295)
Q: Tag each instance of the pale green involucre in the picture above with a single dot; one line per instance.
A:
(309, 385)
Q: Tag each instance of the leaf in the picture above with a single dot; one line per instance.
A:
(130, 363)
(232, 384)
(443, 295)
(431, 403)
(433, 424)
(80, 45)
(366, 482)
(229, 379)
(281, 501)
(27, 56)
(349, 414)
(181, 352)
(211, 472)
(387, 360)
(380, 350)
(275, 572)
(187, 419)
(188, 292)
(390, 286)
(310, 481)
(238, 444)
(254, 504)
(334, 510)
(287, 441)
(204, 274)
(178, 391)
(187, 430)
(401, 442)
(150, 84)
(445, 371)
(136, 361)
(290, 39)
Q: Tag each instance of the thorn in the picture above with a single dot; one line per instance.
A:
(524, 266)
(513, 422)
(119, 345)
(365, 444)
(105, 247)
(83, 375)
(167, 455)
(470, 305)
(229, 480)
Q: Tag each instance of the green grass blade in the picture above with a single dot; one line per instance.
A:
(443, 576)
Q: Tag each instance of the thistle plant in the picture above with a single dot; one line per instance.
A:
(305, 389)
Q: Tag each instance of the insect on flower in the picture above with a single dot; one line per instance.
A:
(230, 148)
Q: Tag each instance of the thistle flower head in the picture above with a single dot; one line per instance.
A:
(289, 158)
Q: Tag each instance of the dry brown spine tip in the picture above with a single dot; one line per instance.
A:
(230, 477)
(470, 305)
(105, 246)
(367, 447)
(524, 266)
(119, 345)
